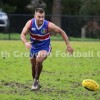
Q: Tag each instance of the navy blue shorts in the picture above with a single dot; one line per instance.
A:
(34, 52)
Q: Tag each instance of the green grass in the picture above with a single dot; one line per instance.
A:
(61, 77)
(10, 36)
(16, 36)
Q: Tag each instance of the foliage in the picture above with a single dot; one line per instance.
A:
(7, 8)
(90, 7)
(20, 5)
(71, 7)
(48, 8)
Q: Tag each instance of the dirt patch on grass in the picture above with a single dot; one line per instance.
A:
(14, 84)
(13, 88)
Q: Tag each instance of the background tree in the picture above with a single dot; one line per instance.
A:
(5, 6)
(90, 7)
(15, 6)
(71, 7)
(48, 7)
(91, 26)
(56, 12)
(35, 4)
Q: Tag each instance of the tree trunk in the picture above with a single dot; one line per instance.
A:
(56, 12)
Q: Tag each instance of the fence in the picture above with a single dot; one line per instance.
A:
(74, 26)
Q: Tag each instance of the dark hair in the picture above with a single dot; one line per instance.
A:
(40, 10)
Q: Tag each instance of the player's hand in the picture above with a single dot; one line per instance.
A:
(28, 45)
(70, 49)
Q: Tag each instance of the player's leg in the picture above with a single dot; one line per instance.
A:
(42, 55)
(33, 64)
(35, 85)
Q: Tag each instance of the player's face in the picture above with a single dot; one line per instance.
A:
(39, 18)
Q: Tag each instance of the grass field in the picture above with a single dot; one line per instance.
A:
(16, 36)
(61, 77)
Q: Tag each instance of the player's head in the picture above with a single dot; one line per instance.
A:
(39, 15)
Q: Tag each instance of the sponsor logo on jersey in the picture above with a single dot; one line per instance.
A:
(33, 29)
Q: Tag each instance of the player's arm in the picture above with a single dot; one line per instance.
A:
(53, 27)
(24, 32)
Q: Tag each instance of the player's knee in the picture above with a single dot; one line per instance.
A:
(42, 54)
(39, 61)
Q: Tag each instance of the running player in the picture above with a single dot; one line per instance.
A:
(39, 45)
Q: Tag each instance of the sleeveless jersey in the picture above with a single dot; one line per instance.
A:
(39, 36)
